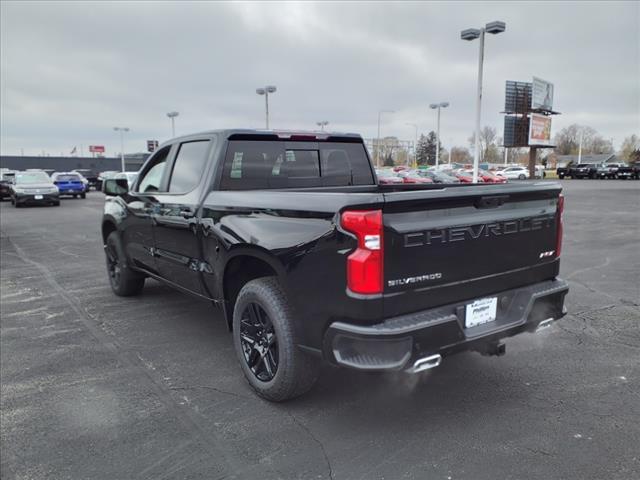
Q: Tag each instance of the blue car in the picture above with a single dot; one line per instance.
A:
(70, 184)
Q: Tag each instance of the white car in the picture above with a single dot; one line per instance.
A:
(513, 173)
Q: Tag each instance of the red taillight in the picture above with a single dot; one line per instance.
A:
(365, 264)
(559, 225)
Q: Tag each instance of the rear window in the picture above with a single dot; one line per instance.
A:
(271, 164)
(67, 178)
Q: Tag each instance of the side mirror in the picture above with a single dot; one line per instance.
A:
(115, 187)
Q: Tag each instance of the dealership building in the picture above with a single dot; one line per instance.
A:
(133, 162)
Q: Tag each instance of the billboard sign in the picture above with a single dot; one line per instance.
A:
(96, 148)
(152, 145)
(539, 130)
(541, 94)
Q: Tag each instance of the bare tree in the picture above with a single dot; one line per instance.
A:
(460, 155)
(630, 145)
(488, 139)
(567, 141)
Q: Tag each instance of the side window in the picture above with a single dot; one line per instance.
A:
(189, 166)
(152, 178)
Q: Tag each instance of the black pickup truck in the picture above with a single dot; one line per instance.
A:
(310, 259)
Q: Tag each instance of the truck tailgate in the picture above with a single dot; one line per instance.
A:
(456, 244)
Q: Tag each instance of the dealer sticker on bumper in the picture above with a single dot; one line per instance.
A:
(481, 311)
(38, 197)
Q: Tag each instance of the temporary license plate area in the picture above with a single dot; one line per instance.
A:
(481, 311)
(38, 197)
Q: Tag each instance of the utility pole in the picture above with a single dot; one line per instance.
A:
(438, 106)
(266, 91)
(121, 130)
(471, 34)
(378, 140)
(172, 116)
(415, 146)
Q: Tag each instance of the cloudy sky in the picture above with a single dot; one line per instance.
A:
(71, 71)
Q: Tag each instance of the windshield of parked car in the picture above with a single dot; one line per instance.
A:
(31, 177)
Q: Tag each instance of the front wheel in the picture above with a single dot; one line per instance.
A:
(83, 195)
(560, 176)
(265, 342)
(124, 281)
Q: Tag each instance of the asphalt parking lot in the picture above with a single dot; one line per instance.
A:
(95, 386)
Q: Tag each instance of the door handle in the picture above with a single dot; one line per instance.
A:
(187, 213)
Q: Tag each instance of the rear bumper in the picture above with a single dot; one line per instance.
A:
(398, 342)
(72, 191)
(30, 199)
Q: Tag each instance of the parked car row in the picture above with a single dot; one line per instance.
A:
(456, 174)
(602, 171)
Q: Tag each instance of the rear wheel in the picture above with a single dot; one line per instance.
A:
(265, 341)
(560, 176)
(522, 176)
(124, 281)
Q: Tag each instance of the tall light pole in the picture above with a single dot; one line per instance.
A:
(580, 146)
(121, 130)
(438, 106)
(471, 34)
(266, 91)
(322, 124)
(172, 116)
(415, 145)
(378, 140)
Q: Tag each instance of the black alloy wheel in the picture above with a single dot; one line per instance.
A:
(113, 265)
(259, 342)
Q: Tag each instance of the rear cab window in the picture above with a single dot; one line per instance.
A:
(257, 164)
(189, 166)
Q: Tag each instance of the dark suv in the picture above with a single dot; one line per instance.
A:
(583, 170)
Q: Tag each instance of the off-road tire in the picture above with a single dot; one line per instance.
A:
(296, 371)
(124, 281)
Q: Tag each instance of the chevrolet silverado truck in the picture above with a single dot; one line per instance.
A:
(311, 260)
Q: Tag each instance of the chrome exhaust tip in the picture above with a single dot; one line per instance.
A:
(544, 324)
(425, 363)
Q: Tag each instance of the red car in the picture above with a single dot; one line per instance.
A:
(411, 176)
(465, 177)
(488, 177)
(388, 177)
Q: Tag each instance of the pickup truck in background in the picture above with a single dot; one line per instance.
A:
(311, 260)
(583, 170)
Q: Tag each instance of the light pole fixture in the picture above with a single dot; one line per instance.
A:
(266, 91)
(378, 140)
(121, 130)
(322, 124)
(438, 106)
(415, 145)
(471, 34)
(172, 116)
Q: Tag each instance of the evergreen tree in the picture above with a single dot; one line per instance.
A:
(421, 151)
(430, 148)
